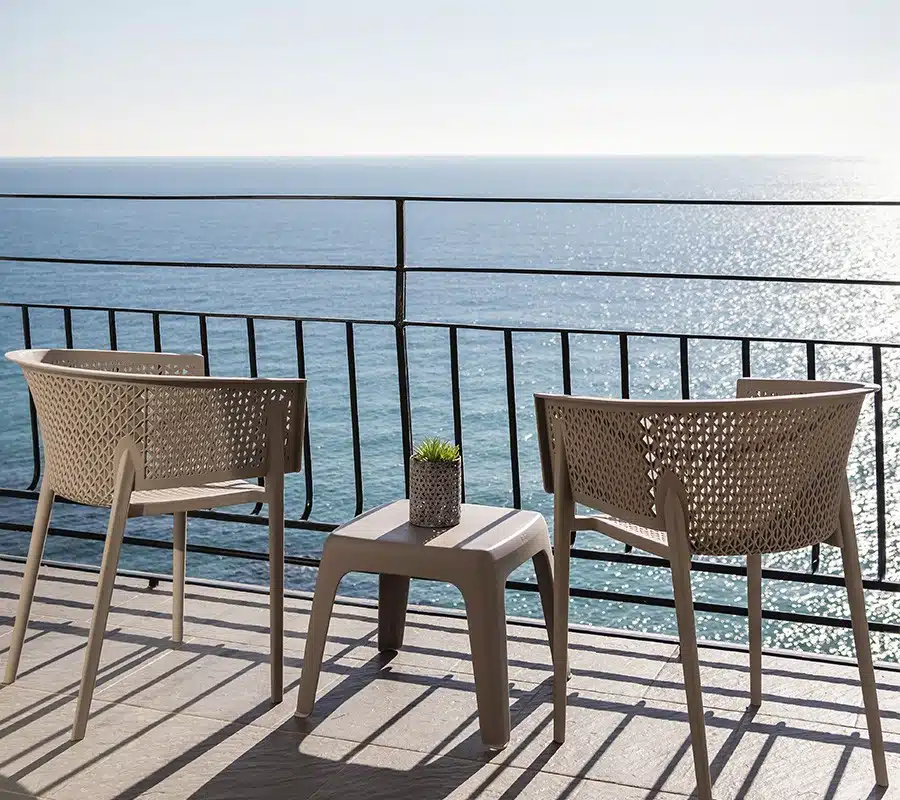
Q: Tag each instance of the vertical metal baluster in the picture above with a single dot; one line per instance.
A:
(815, 550)
(354, 419)
(307, 448)
(204, 343)
(400, 333)
(251, 347)
(113, 334)
(32, 411)
(626, 389)
(457, 409)
(684, 363)
(881, 504)
(623, 366)
(566, 362)
(745, 358)
(67, 323)
(511, 411)
(157, 334)
(254, 373)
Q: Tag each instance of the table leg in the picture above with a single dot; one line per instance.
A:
(393, 596)
(486, 612)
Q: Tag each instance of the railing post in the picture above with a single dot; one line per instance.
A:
(400, 331)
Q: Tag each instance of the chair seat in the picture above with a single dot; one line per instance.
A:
(193, 498)
(649, 539)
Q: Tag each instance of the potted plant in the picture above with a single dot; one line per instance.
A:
(434, 484)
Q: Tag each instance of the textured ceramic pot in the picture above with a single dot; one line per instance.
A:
(434, 493)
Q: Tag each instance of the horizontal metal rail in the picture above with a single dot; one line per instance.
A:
(437, 269)
(472, 326)
(393, 198)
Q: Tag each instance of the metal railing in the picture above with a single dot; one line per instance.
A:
(401, 323)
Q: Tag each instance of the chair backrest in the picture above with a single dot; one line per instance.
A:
(183, 428)
(759, 474)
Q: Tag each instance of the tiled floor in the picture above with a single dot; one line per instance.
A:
(195, 720)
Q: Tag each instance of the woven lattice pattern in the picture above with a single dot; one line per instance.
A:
(434, 493)
(82, 422)
(758, 477)
(199, 430)
(191, 430)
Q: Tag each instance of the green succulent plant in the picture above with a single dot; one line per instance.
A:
(436, 449)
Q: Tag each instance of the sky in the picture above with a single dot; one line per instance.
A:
(418, 77)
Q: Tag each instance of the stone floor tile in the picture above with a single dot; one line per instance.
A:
(803, 760)
(151, 610)
(183, 756)
(384, 773)
(621, 740)
(221, 680)
(247, 622)
(62, 594)
(616, 665)
(35, 751)
(53, 654)
(792, 688)
(410, 708)
(429, 642)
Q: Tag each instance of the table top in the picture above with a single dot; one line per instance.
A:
(480, 527)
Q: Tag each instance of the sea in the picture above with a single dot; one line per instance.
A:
(818, 241)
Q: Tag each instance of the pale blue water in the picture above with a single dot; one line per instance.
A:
(837, 243)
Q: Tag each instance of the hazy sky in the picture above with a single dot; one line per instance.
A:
(332, 77)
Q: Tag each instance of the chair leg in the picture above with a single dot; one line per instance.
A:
(179, 544)
(853, 578)
(29, 580)
(275, 488)
(754, 617)
(486, 613)
(118, 516)
(560, 633)
(393, 598)
(687, 635)
(543, 570)
(327, 582)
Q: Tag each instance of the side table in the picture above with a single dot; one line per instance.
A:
(477, 556)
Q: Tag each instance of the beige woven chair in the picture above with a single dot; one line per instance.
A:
(147, 433)
(763, 473)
